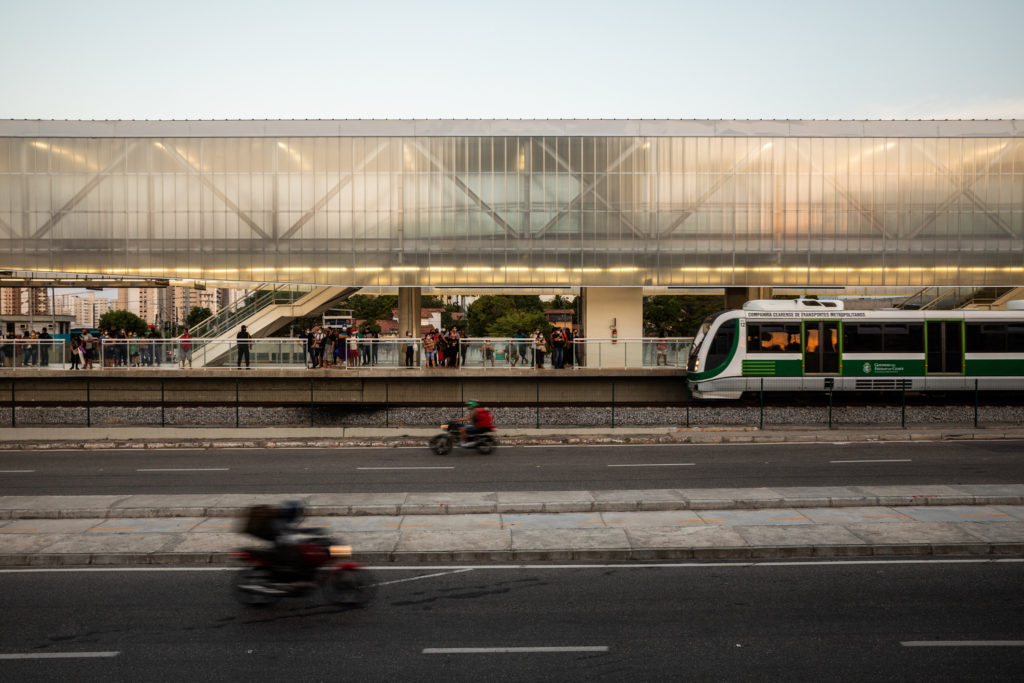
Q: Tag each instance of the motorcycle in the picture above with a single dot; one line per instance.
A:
(315, 563)
(443, 443)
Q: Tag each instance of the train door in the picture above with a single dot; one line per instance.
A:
(821, 347)
(944, 342)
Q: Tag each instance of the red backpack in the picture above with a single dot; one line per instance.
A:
(483, 417)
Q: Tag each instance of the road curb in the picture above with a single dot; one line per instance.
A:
(550, 507)
(707, 554)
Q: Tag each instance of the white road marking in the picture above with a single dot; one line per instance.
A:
(425, 576)
(405, 468)
(962, 643)
(59, 655)
(15, 471)
(659, 464)
(893, 460)
(184, 469)
(491, 650)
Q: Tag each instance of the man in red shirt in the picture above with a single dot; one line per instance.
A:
(186, 348)
(481, 419)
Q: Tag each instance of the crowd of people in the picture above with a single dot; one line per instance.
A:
(342, 347)
(28, 350)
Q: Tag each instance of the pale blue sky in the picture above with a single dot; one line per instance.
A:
(555, 59)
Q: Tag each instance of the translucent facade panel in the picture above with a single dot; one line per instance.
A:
(570, 210)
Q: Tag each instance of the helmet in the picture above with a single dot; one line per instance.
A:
(293, 510)
(471, 404)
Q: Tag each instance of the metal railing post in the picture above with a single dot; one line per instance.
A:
(387, 419)
(88, 404)
(311, 424)
(163, 406)
(236, 402)
(14, 422)
(538, 405)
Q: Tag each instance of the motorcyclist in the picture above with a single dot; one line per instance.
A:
(286, 536)
(478, 421)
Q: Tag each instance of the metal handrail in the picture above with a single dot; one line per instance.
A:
(243, 309)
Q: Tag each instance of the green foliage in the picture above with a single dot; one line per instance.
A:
(678, 316)
(486, 310)
(197, 315)
(527, 302)
(561, 302)
(368, 307)
(514, 321)
(123, 320)
(427, 301)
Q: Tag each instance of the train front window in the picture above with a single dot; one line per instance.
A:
(721, 344)
(692, 363)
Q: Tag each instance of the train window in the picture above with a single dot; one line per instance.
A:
(986, 337)
(862, 338)
(773, 338)
(1015, 337)
(721, 344)
(903, 338)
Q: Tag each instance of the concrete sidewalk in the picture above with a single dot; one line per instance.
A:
(671, 524)
(44, 438)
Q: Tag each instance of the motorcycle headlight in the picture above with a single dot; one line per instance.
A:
(341, 551)
(444, 426)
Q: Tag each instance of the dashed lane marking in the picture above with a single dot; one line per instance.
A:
(58, 655)
(511, 650)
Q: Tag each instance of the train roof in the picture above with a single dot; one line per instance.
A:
(791, 305)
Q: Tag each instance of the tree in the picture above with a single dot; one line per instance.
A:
(561, 302)
(527, 302)
(485, 310)
(678, 316)
(196, 316)
(123, 320)
(515, 321)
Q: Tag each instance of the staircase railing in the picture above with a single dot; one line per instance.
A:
(243, 309)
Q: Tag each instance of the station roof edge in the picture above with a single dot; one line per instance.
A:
(247, 128)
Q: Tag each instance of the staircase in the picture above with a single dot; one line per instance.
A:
(949, 298)
(263, 312)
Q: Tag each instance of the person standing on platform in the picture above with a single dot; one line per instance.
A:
(186, 348)
(243, 342)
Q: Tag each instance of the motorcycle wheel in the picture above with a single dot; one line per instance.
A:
(485, 444)
(350, 587)
(248, 584)
(441, 444)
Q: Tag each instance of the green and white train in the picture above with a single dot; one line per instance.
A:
(810, 345)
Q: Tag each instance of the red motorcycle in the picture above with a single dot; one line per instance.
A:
(312, 560)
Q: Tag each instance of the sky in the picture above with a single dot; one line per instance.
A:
(381, 59)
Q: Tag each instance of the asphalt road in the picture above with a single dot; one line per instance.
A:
(877, 621)
(541, 468)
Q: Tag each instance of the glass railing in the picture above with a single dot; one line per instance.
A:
(201, 353)
(484, 353)
(33, 353)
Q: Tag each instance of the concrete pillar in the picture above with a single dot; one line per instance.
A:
(409, 311)
(735, 297)
(613, 308)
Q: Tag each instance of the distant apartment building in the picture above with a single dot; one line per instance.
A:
(24, 301)
(86, 308)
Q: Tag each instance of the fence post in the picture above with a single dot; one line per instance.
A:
(538, 405)
(387, 420)
(903, 407)
(975, 403)
(88, 404)
(14, 422)
(830, 407)
(236, 403)
(163, 417)
(311, 403)
(613, 404)
(761, 394)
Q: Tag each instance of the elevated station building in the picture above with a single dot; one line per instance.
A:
(611, 209)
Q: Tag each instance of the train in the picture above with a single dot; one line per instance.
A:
(818, 345)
